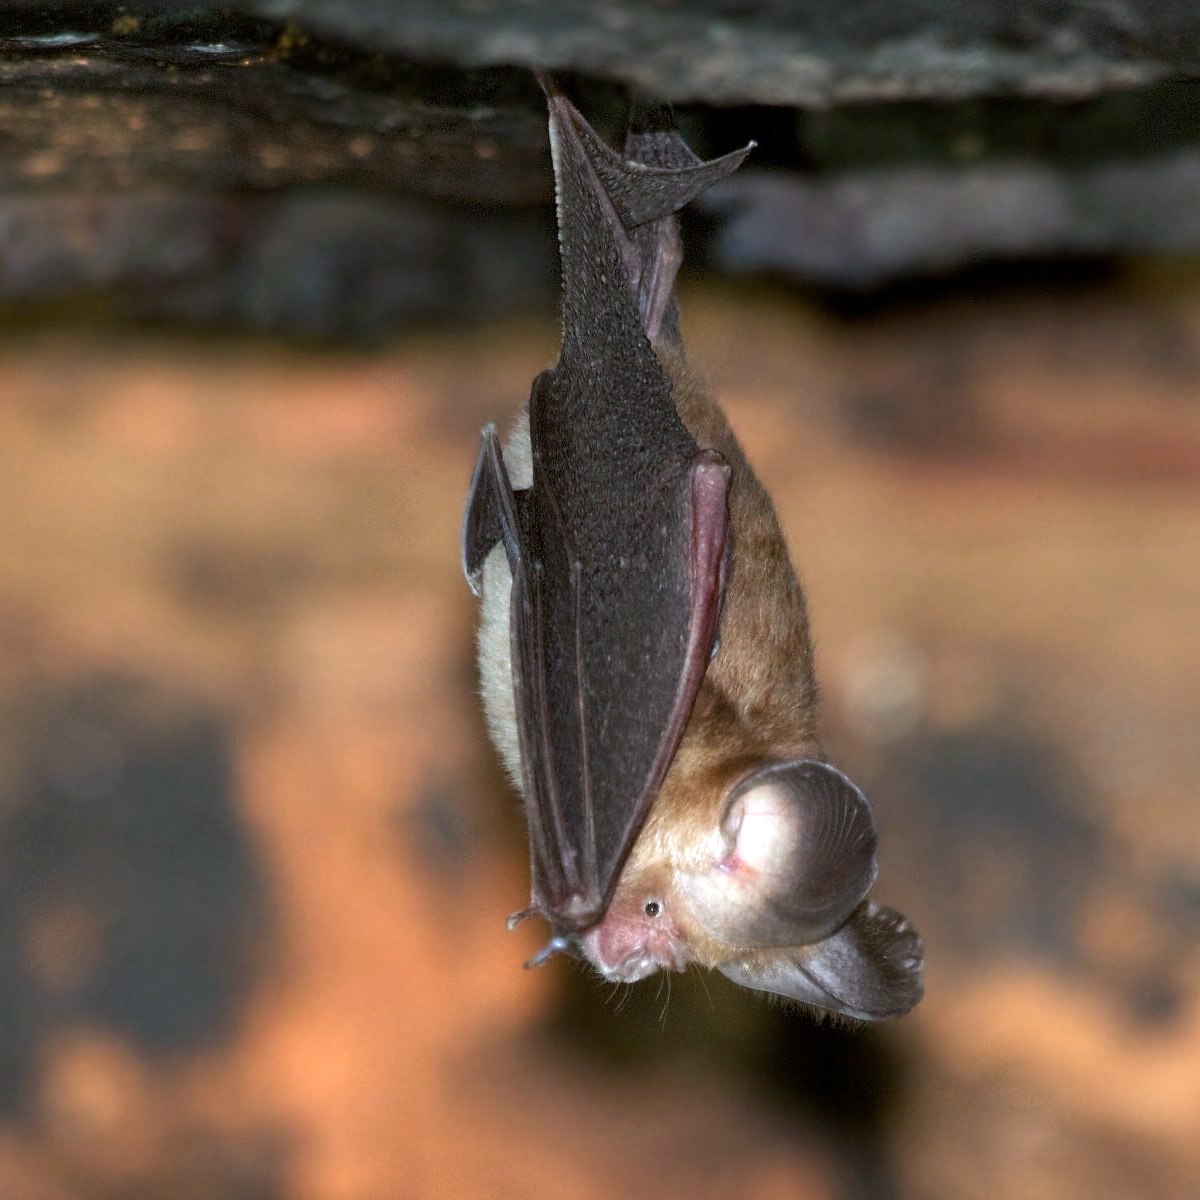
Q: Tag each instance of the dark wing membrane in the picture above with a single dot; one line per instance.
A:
(653, 141)
(627, 532)
(657, 175)
(626, 526)
(636, 196)
(493, 511)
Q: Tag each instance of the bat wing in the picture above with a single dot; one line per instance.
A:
(619, 547)
(613, 629)
(494, 512)
(638, 195)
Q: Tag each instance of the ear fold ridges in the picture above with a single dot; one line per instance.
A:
(870, 969)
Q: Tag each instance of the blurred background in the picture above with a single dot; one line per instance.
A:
(266, 268)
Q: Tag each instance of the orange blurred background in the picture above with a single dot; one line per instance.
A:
(256, 853)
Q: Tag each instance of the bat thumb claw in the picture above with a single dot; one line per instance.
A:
(516, 918)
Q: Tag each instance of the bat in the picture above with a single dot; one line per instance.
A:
(644, 651)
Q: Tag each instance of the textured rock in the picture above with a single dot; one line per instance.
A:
(104, 112)
(327, 264)
(860, 230)
(146, 147)
(786, 51)
(241, 176)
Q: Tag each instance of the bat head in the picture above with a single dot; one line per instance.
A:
(773, 894)
(639, 935)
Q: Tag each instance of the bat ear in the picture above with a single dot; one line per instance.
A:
(870, 969)
(796, 857)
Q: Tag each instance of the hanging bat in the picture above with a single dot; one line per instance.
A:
(646, 666)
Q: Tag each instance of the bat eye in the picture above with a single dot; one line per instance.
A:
(653, 908)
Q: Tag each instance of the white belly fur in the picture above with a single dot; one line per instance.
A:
(493, 646)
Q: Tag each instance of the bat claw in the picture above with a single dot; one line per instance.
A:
(558, 944)
(516, 918)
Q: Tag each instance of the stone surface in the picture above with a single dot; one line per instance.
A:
(340, 170)
(329, 264)
(863, 230)
(224, 171)
(783, 52)
(100, 112)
